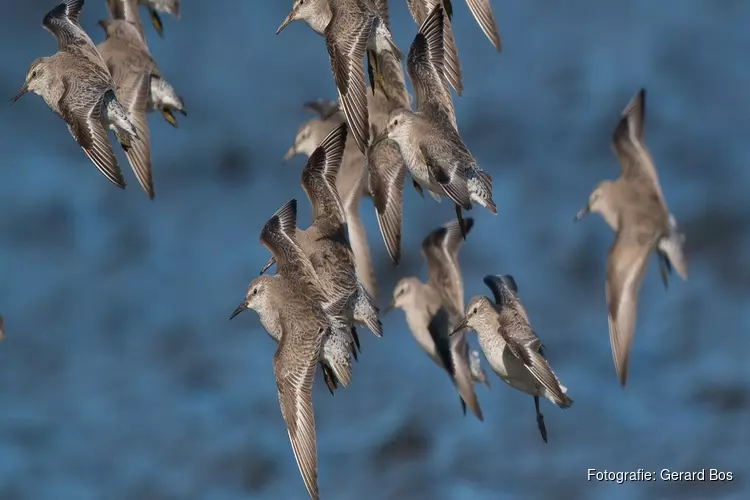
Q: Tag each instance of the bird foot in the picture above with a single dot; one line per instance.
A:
(167, 114)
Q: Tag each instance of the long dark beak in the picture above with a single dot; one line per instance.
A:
(461, 326)
(240, 308)
(289, 18)
(582, 212)
(387, 308)
(102, 24)
(290, 152)
(270, 262)
(23, 90)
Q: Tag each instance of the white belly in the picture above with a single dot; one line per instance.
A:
(508, 367)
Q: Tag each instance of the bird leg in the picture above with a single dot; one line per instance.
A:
(167, 114)
(540, 420)
(418, 188)
(371, 70)
(156, 21)
(665, 269)
(461, 222)
(374, 73)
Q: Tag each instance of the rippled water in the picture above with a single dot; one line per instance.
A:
(121, 378)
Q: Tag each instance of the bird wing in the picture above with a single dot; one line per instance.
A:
(346, 39)
(84, 118)
(279, 237)
(133, 95)
(294, 367)
(358, 240)
(482, 12)
(527, 348)
(505, 292)
(626, 266)
(451, 176)
(451, 71)
(440, 249)
(627, 142)
(126, 10)
(462, 373)
(324, 108)
(386, 170)
(425, 63)
(499, 286)
(62, 22)
(319, 177)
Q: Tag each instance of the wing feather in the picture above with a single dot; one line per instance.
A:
(319, 177)
(425, 63)
(626, 266)
(346, 43)
(294, 367)
(440, 249)
(279, 237)
(84, 119)
(126, 10)
(387, 170)
(62, 23)
(482, 12)
(134, 98)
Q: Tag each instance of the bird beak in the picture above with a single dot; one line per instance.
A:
(388, 308)
(102, 24)
(289, 18)
(290, 152)
(23, 90)
(586, 209)
(240, 308)
(270, 262)
(461, 326)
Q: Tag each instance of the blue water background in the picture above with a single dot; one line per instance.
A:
(121, 378)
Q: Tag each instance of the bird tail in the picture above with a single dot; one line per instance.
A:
(365, 313)
(672, 245)
(164, 96)
(337, 351)
(542, 372)
(480, 187)
(119, 119)
(477, 371)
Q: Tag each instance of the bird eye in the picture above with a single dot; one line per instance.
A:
(33, 74)
(255, 291)
(395, 122)
(474, 311)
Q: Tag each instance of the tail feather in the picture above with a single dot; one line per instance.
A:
(477, 371)
(480, 187)
(365, 313)
(337, 353)
(542, 372)
(119, 119)
(672, 246)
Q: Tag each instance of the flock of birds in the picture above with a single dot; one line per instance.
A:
(363, 145)
(110, 86)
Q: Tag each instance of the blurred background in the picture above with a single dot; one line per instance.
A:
(122, 378)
